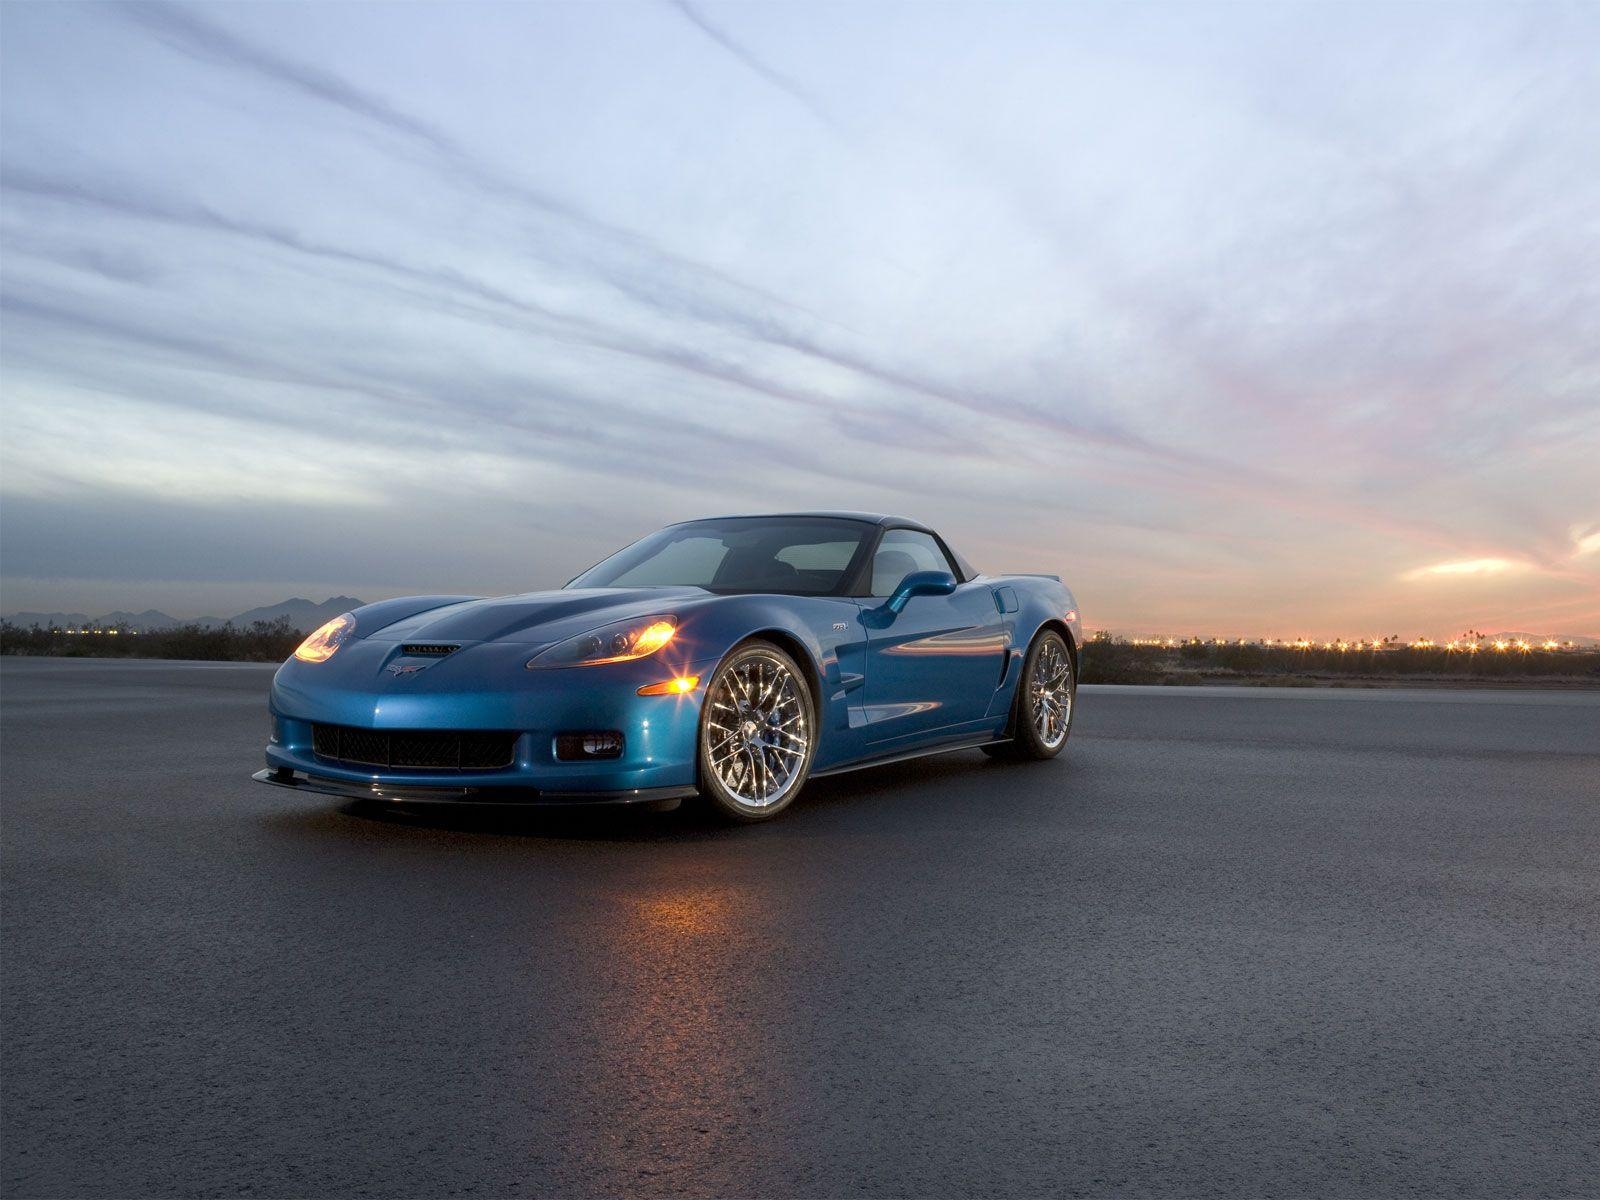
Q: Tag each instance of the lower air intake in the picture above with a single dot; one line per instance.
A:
(428, 749)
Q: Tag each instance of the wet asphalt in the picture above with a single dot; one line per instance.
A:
(1264, 943)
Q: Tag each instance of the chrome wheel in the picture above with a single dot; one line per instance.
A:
(1050, 693)
(757, 730)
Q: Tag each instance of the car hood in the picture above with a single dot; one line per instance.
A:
(533, 618)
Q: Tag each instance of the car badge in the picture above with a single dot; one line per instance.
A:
(406, 668)
(840, 626)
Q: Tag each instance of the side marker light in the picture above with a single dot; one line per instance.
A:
(680, 686)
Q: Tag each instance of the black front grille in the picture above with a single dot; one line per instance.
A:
(430, 648)
(440, 750)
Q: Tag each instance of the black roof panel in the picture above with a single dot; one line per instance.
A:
(865, 518)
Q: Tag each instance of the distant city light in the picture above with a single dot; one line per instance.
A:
(1470, 643)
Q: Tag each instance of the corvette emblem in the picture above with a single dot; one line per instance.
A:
(406, 668)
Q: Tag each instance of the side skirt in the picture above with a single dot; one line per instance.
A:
(906, 755)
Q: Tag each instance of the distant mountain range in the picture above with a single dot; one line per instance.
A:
(304, 615)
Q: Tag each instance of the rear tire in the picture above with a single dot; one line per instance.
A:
(1042, 710)
(757, 733)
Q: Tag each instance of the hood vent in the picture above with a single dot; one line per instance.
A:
(430, 649)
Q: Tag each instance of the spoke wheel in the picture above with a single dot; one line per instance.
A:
(1050, 688)
(1041, 714)
(757, 733)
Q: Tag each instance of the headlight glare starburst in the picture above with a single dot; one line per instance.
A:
(621, 641)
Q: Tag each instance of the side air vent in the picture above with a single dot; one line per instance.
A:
(434, 649)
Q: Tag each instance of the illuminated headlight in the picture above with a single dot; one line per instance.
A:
(618, 642)
(319, 647)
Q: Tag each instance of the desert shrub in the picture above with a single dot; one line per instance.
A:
(262, 641)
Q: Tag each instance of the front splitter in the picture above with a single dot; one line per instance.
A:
(402, 794)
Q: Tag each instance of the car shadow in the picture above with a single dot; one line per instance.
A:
(600, 822)
(920, 787)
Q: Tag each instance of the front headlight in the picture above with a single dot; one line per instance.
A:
(319, 647)
(617, 642)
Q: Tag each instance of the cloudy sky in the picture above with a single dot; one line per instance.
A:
(1270, 319)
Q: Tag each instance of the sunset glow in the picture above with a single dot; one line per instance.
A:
(1263, 345)
(1474, 566)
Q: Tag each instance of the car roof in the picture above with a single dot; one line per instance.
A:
(865, 518)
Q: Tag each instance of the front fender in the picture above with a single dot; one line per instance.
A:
(804, 624)
(822, 632)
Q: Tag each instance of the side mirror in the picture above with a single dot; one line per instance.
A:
(921, 583)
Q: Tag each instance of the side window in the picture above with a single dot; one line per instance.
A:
(901, 552)
(818, 556)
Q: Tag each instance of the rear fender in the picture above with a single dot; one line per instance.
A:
(1042, 600)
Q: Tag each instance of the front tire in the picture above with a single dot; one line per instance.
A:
(757, 733)
(1041, 713)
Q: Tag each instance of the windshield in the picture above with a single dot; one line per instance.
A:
(793, 556)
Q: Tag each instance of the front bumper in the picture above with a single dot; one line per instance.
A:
(405, 793)
(486, 688)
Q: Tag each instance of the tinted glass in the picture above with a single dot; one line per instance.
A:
(795, 556)
(690, 558)
(901, 552)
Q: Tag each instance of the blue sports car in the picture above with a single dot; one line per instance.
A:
(731, 658)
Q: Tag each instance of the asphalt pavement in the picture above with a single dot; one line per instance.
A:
(1233, 943)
